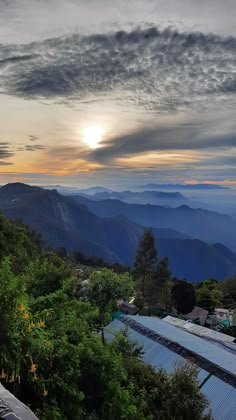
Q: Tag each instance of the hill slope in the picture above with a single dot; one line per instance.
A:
(170, 199)
(64, 222)
(205, 225)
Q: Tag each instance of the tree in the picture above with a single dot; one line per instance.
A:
(208, 298)
(53, 359)
(159, 395)
(228, 288)
(145, 264)
(46, 274)
(104, 288)
(183, 296)
(164, 283)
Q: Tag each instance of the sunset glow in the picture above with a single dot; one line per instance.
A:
(92, 136)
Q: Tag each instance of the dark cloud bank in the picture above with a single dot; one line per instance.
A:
(156, 70)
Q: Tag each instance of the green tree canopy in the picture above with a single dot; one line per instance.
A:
(104, 288)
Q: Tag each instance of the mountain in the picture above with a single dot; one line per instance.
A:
(65, 222)
(75, 190)
(172, 199)
(182, 187)
(205, 225)
(95, 190)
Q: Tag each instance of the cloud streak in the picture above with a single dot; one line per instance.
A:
(197, 136)
(5, 153)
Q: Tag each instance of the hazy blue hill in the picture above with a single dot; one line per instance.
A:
(202, 224)
(65, 222)
(172, 199)
(183, 187)
(75, 190)
(199, 260)
(61, 221)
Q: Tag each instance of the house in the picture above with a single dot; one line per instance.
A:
(197, 313)
(224, 315)
(128, 308)
(165, 345)
(200, 331)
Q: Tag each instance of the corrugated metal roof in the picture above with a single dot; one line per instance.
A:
(217, 355)
(199, 330)
(222, 397)
(220, 394)
(155, 354)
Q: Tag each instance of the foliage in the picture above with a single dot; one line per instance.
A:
(159, 395)
(183, 296)
(92, 261)
(209, 297)
(53, 359)
(103, 289)
(152, 276)
(17, 242)
(228, 288)
(145, 263)
(164, 283)
(46, 274)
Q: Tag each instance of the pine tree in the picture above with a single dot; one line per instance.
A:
(163, 283)
(145, 264)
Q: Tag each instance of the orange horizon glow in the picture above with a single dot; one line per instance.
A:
(206, 182)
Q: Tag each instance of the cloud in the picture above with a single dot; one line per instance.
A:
(15, 59)
(150, 69)
(5, 153)
(33, 138)
(199, 136)
(33, 147)
(3, 163)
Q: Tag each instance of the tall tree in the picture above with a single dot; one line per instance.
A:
(145, 264)
(183, 296)
(164, 283)
(104, 288)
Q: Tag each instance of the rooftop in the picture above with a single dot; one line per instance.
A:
(200, 331)
(165, 345)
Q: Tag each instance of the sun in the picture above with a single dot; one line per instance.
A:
(92, 136)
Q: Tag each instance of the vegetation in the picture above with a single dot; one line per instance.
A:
(52, 355)
(183, 296)
(209, 295)
(152, 275)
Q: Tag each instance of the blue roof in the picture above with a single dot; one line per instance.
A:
(220, 394)
(222, 398)
(215, 354)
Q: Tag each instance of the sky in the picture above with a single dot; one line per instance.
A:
(117, 93)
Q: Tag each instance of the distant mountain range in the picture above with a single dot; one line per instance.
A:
(75, 190)
(170, 199)
(182, 187)
(71, 222)
(208, 226)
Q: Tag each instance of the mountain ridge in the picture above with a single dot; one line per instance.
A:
(64, 222)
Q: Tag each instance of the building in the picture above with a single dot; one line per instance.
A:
(164, 345)
(224, 315)
(200, 331)
(197, 314)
